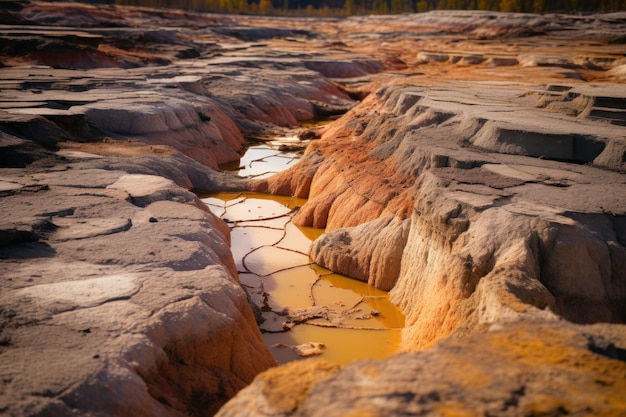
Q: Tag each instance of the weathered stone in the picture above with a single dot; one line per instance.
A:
(280, 391)
(495, 187)
(376, 260)
(485, 233)
(101, 284)
(482, 180)
(541, 369)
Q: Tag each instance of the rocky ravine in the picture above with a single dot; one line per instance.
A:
(480, 179)
(119, 292)
(494, 211)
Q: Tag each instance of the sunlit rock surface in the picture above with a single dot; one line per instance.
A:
(120, 295)
(116, 289)
(519, 369)
(478, 173)
(514, 191)
(491, 233)
(507, 162)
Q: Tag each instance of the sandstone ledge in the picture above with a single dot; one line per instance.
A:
(542, 369)
(119, 294)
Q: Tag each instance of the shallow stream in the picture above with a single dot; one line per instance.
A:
(307, 310)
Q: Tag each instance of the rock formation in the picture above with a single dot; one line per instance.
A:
(506, 198)
(478, 174)
(541, 369)
(119, 292)
(115, 287)
(484, 199)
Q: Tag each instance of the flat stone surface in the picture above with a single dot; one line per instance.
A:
(84, 293)
(80, 228)
(9, 186)
(141, 185)
(91, 280)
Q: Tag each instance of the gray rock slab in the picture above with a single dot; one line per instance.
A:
(101, 297)
(70, 228)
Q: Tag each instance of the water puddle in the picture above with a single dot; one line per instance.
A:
(265, 159)
(307, 310)
(301, 302)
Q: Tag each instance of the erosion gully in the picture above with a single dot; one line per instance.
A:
(307, 310)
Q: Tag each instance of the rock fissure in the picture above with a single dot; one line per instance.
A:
(279, 316)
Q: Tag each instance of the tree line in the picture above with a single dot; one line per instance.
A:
(362, 7)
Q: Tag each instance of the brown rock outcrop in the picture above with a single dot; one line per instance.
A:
(370, 252)
(514, 193)
(281, 391)
(490, 234)
(120, 294)
(542, 369)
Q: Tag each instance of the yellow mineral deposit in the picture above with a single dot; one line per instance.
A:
(308, 310)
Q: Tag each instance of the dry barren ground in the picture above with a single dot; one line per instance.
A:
(476, 171)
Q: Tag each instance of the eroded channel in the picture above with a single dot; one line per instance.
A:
(307, 310)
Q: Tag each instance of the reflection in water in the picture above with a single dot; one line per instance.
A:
(303, 302)
(264, 160)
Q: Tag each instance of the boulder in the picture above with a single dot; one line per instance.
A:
(379, 243)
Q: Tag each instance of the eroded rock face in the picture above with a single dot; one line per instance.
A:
(548, 369)
(199, 92)
(491, 233)
(120, 295)
(513, 189)
(480, 179)
(380, 244)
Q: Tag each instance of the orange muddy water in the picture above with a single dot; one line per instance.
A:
(307, 310)
(350, 318)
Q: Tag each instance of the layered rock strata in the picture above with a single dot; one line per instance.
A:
(491, 202)
(480, 179)
(486, 229)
